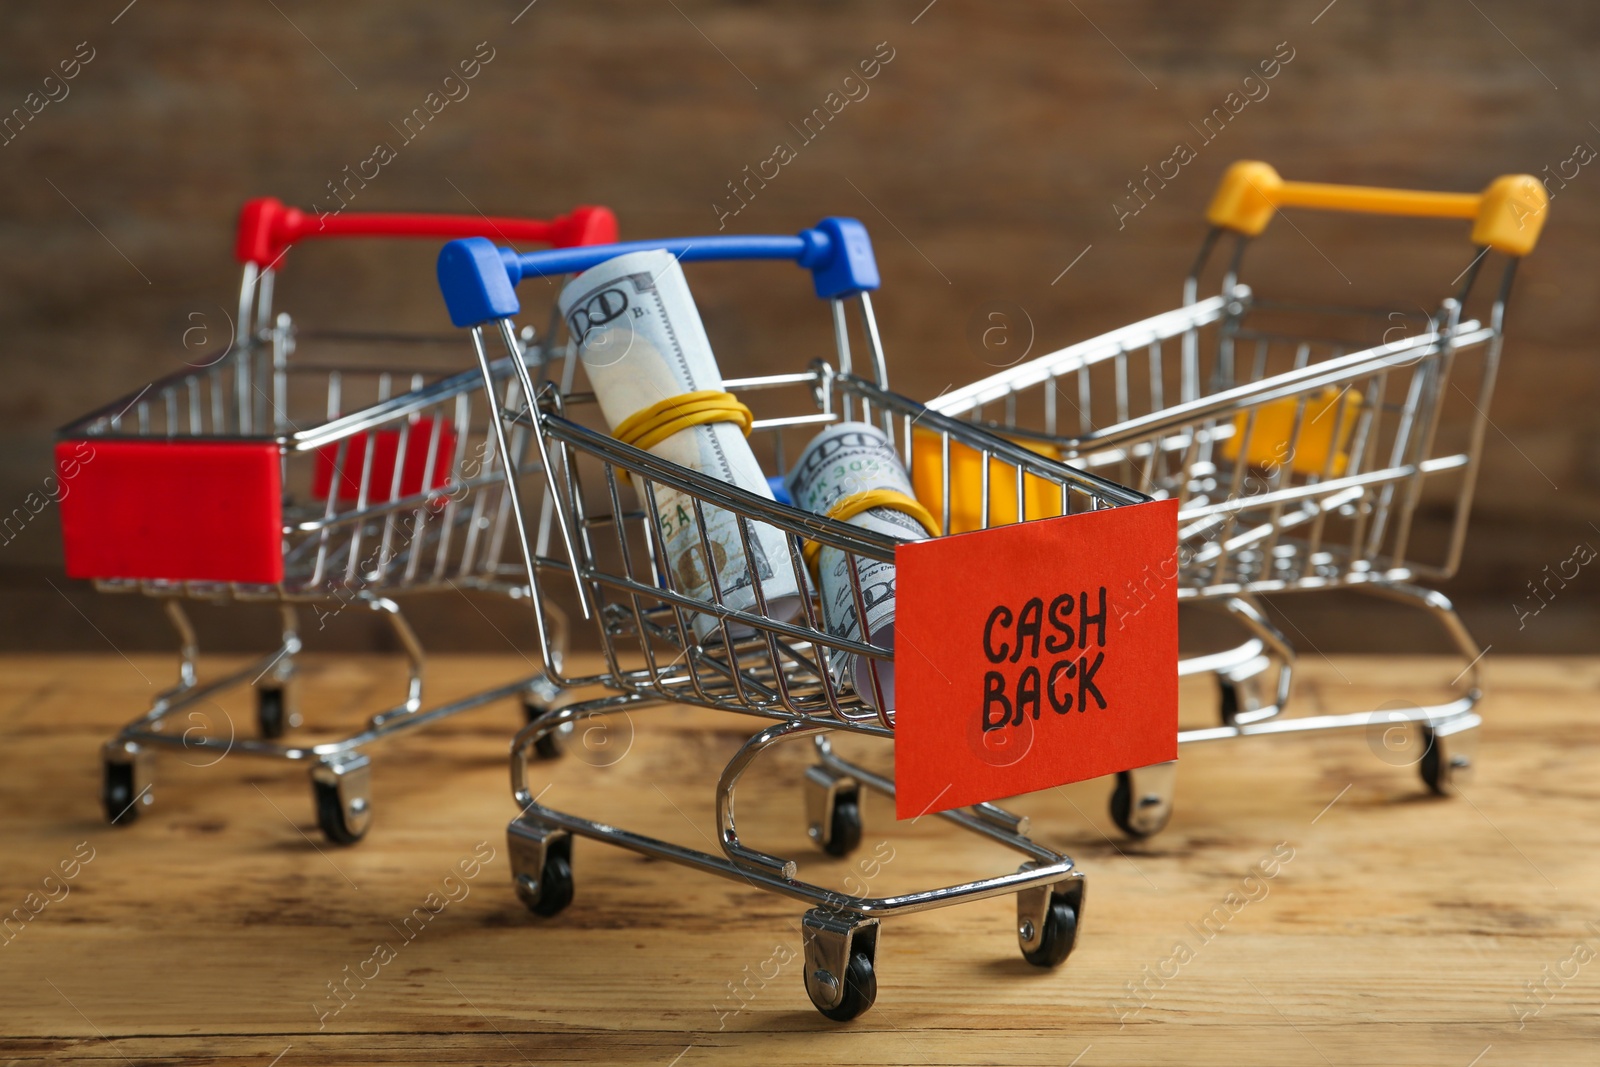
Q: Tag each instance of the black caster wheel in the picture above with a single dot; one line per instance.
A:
(860, 990)
(844, 834)
(1059, 934)
(555, 886)
(331, 816)
(1446, 761)
(118, 794)
(272, 713)
(1141, 803)
(1228, 704)
(547, 747)
(1122, 805)
(1433, 766)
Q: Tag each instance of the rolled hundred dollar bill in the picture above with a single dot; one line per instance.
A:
(645, 350)
(851, 472)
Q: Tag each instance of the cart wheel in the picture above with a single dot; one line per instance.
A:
(1141, 805)
(1228, 705)
(555, 886)
(1434, 766)
(1447, 754)
(844, 833)
(860, 990)
(1122, 805)
(118, 794)
(272, 715)
(547, 747)
(1127, 813)
(1059, 934)
(331, 816)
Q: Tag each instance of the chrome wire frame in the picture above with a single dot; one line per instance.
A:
(421, 526)
(598, 532)
(1171, 405)
(753, 662)
(350, 537)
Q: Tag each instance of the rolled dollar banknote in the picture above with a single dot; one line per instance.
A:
(851, 472)
(642, 343)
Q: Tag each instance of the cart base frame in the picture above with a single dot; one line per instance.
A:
(340, 770)
(1444, 735)
(840, 930)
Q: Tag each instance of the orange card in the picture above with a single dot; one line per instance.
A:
(1033, 655)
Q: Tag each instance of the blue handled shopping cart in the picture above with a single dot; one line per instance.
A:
(598, 531)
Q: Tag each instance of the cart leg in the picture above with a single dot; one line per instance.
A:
(1448, 745)
(833, 810)
(1241, 696)
(277, 694)
(127, 781)
(410, 645)
(188, 645)
(542, 695)
(127, 767)
(1258, 690)
(342, 788)
(557, 630)
(537, 699)
(1438, 607)
(1141, 804)
(1047, 919)
(541, 865)
(840, 950)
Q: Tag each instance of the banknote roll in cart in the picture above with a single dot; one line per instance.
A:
(631, 532)
(1303, 442)
(318, 468)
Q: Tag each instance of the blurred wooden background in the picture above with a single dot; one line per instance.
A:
(985, 156)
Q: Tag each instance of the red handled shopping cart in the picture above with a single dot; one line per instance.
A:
(302, 467)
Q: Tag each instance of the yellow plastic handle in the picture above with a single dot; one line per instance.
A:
(1507, 216)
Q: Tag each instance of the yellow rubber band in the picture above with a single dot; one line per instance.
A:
(652, 425)
(847, 508)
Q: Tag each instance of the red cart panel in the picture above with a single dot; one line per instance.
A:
(207, 511)
(385, 450)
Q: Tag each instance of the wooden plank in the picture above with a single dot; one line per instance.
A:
(1401, 927)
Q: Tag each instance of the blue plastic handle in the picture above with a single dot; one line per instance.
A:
(479, 280)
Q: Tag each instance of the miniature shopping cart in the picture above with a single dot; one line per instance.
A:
(608, 541)
(1303, 442)
(337, 476)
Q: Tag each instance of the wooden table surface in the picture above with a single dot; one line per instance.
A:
(1402, 928)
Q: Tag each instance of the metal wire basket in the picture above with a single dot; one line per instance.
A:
(598, 527)
(318, 468)
(1302, 441)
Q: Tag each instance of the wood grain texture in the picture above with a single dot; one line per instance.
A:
(1403, 929)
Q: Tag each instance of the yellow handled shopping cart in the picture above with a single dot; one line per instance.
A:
(1309, 447)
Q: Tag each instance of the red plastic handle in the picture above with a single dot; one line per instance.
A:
(267, 227)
